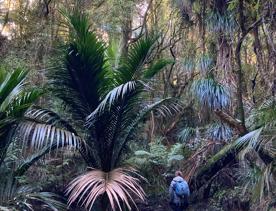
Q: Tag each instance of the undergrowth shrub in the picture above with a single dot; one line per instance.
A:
(156, 162)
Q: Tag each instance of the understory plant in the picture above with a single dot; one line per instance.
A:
(257, 153)
(104, 97)
(15, 100)
(157, 163)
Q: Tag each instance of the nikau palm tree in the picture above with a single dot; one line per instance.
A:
(102, 93)
(15, 100)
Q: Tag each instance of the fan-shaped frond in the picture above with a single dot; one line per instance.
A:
(211, 93)
(205, 64)
(119, 186)
(217, 22)
(251, 138)
(219, 132)
(186, 134)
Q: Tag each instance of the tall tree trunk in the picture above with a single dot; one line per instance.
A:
(259, 55)
(240, 110)
(202, 26)
(126, 34)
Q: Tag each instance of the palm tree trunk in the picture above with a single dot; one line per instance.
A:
(104, 202)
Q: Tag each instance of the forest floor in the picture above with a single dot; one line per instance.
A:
(211, 204)
(163, 205)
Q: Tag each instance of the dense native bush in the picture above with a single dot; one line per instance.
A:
(157, 163)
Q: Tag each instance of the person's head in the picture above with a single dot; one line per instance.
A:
(178, 174)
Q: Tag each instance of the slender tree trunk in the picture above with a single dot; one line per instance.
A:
(241, 114)
(259, 55)
(202, 25)
(126, 34)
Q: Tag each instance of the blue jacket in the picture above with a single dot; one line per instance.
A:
(174, 198)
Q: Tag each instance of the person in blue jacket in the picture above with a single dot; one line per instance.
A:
(179, 193)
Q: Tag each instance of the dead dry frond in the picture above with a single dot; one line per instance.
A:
(120, 185)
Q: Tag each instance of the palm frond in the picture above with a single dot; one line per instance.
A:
(28, 162)
(38, 136)
(84, 79)
(259, 179)
(166, 107)
(46, 116)
(156, 67)
(22, 103)
(131, 67)
(119, 186)
(13, 196)
(49, 200)
(117, 94)
(11, 87)
(266, 113)
(252, 138)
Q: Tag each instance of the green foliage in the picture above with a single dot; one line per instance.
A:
(205, 64)
(156, 67)
(186, 134)
(218, 22)
(155, 163)
(132, 66)
(211, 93)
(104, 95)
(259, 181)
(219, 132)
(263, 133)
(14, 101)
(104, 100)
(158, 154)
(16, 197)
(265, 114)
